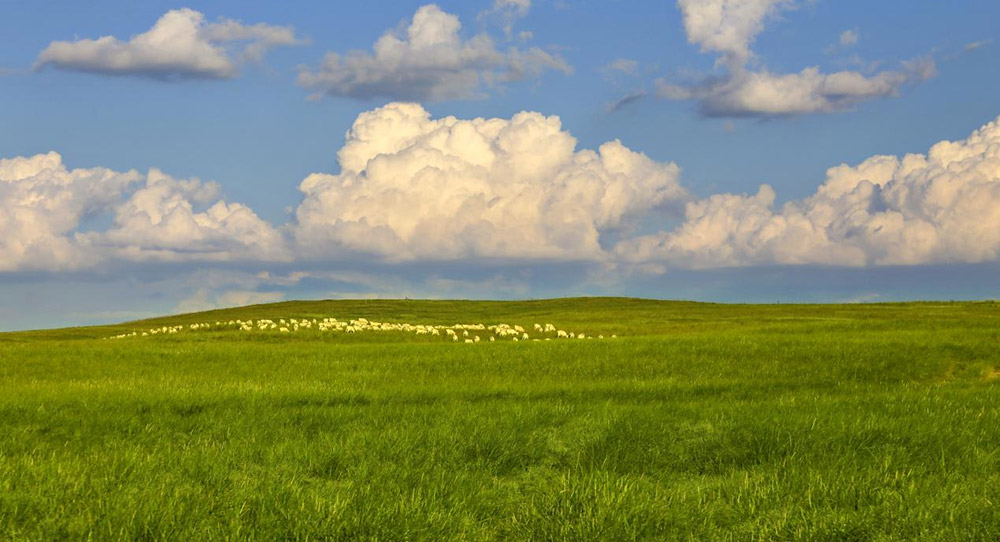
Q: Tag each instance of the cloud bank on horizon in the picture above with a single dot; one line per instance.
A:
(42, 205)
(943, 206)
(416, 189)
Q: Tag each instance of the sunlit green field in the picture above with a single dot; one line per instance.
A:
(699, 422)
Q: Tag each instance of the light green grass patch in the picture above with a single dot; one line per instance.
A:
(700, 422)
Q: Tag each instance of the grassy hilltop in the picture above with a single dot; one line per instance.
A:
(698, 422)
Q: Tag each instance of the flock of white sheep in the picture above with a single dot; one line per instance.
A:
(468, 333)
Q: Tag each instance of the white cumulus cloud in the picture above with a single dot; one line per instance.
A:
(412, 187)
(729, 28)
(180, 45)
(499, 191)
(430, 61)
(43, 206)
(940, 207)
(160, 221)
(761, 93)
(42, 203)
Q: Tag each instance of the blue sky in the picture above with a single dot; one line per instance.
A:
(729, 104)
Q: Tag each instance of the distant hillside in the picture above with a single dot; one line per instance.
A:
(626, 316)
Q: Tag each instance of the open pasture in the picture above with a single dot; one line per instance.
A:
(696, 422)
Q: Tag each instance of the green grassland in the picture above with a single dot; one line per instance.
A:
(699, 422)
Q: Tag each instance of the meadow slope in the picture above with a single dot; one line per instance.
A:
(698, 422)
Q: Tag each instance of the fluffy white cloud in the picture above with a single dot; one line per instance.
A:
(749, 93)
(159, 221)
(429, 62)
(940, 207)
(180, 45)
(43, 206)
(412, 187)
(729, 27)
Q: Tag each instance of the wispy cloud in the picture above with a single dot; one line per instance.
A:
(848, 38)
(626, 100)
(507, 12)
(977, 45)
(625, 66)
